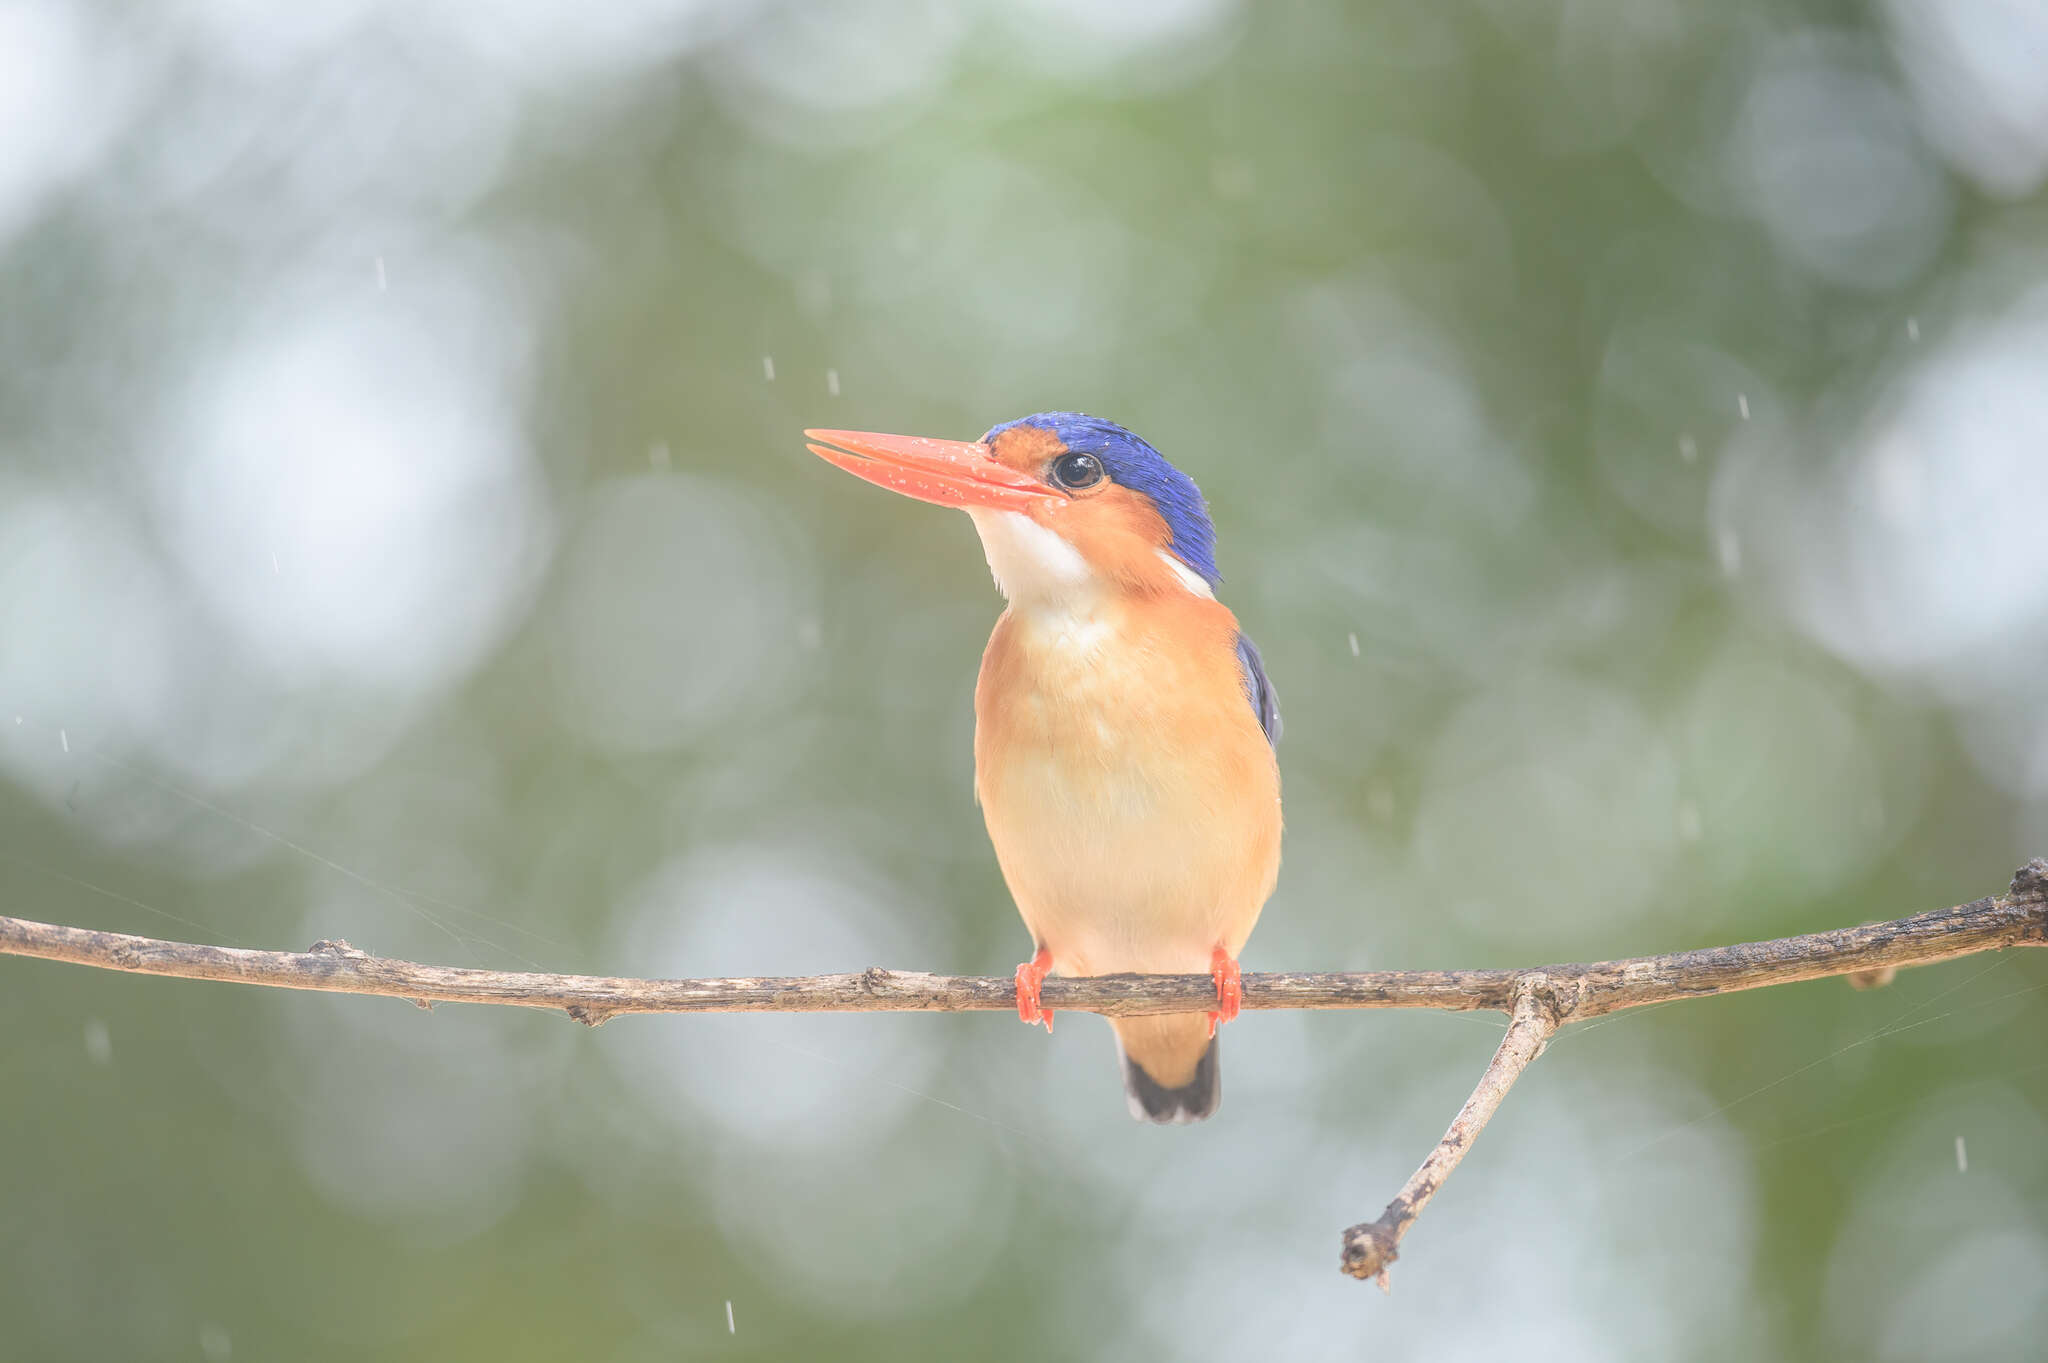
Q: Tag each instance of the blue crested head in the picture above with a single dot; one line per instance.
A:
(1136, 465)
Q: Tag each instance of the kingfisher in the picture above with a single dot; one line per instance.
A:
(1125, 732)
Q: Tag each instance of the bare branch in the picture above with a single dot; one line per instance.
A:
(1370, 1249)
(1584, 991)
(1539, 1000)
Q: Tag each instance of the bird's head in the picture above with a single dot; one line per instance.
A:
(1064, 503)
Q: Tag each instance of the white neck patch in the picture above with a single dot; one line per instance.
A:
(1189, 578)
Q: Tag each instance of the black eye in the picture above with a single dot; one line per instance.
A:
(1077, 470)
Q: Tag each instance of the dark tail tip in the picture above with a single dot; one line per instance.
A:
(1191, 1102)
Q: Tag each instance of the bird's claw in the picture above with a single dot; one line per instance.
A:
(1229, 988)
(1030, 976)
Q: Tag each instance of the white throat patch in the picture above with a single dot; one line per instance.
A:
(1029, 562)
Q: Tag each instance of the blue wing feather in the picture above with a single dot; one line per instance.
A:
(1265, 701)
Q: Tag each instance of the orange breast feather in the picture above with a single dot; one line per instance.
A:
(1132, 798)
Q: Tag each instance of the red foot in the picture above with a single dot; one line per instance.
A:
(1229, 988)
(1030, 976)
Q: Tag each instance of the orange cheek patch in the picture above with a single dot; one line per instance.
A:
(1119, 533)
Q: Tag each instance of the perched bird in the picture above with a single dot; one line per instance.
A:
(1124, 727)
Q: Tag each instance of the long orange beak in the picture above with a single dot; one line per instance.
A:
(942, 472)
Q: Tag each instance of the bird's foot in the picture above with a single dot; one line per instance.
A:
(1229, 988)
(1030, 976)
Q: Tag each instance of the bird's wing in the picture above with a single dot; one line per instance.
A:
(1265, 700)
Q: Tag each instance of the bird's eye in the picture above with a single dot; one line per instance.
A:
(1074, 471)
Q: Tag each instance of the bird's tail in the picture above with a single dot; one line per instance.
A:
(1169, 1067)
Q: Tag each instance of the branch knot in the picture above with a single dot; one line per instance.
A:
(2030, 886)
(1370, 1249)
(1554, 997)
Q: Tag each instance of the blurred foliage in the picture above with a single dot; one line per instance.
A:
(1624, 426)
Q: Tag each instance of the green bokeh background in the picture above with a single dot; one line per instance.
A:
(1624, 425)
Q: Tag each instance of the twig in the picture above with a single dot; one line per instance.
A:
(1370, 1249)
(1539, 1000)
